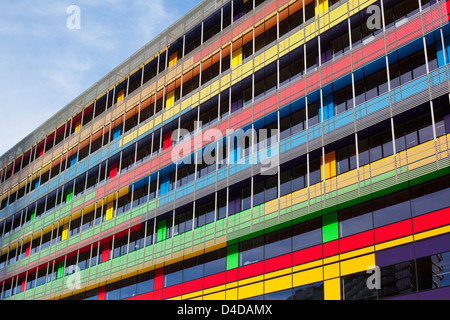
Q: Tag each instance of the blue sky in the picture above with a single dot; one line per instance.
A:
(44, 65)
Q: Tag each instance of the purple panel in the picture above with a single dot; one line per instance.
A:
(394, 255)
(432, 246)
(412, 296)
(447, 123)
(436, 294)
(236, 105)
(233, 206)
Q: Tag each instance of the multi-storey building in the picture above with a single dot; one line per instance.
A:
(355, 204)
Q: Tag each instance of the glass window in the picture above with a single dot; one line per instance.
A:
(173, 274)
(279, 295)
(392, 208)
(251, 251)
(312, 291)
(277, 243)
(306, 234)
(354, 287)
(355, 220)
(144, 283)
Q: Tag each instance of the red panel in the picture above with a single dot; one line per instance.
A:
(191, 286)
(159, 279)
(22, 287)
(307, 255)
(251, 270)
(278, 263)
(330, 248)
(215, 280)
(431, 220)
(171, 291)
(197, 57)
(157, 295)
(144, 296)
(393, 231)
(113, 171)
(136, 227)
(105, 252)
(27, 253)
(232, 275)
(167, 140)
(101, 293)
(356, 241)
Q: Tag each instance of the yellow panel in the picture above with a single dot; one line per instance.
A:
(191, 295)
(358, 252)
(215, 296)
(77, 126)
(237, 57)
(109, 211)
(231, 294)
(271, 206)
(250, 280)
(251, 290)
(129, 137)
(121, 95)
(330, 165)
(300, 196)
(331, 259)
(215, 289)
(332, 289)
(173, 59)
(278, 284)
(431, 233)
(123, 191)
(277, 273)
(308, 265)
(65, 232)
(323, 5)
(170, 98)
(357, 264)
(393, 243)
(307, 277)
(157, 120)
(331, 271)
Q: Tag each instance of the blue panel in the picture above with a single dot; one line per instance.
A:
(36, 184)
(328, 107)
(73, 160)
(297, 105)
(141, 183)
(117, 132)
(410, 48)
(440, 54)
(375, 66)
(165, 180)
(342, 82)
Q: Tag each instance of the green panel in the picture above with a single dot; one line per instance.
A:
(60, 270)
(433, 175)
(33, 215)
(232, 256)
(152, 205)
(278, 226)
(251, 235)
(330, 228)
(69, 195)
(78, 202)
(162, 230)
(390, 190)
(306, 217)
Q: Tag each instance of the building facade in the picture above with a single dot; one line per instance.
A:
(256, 149)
